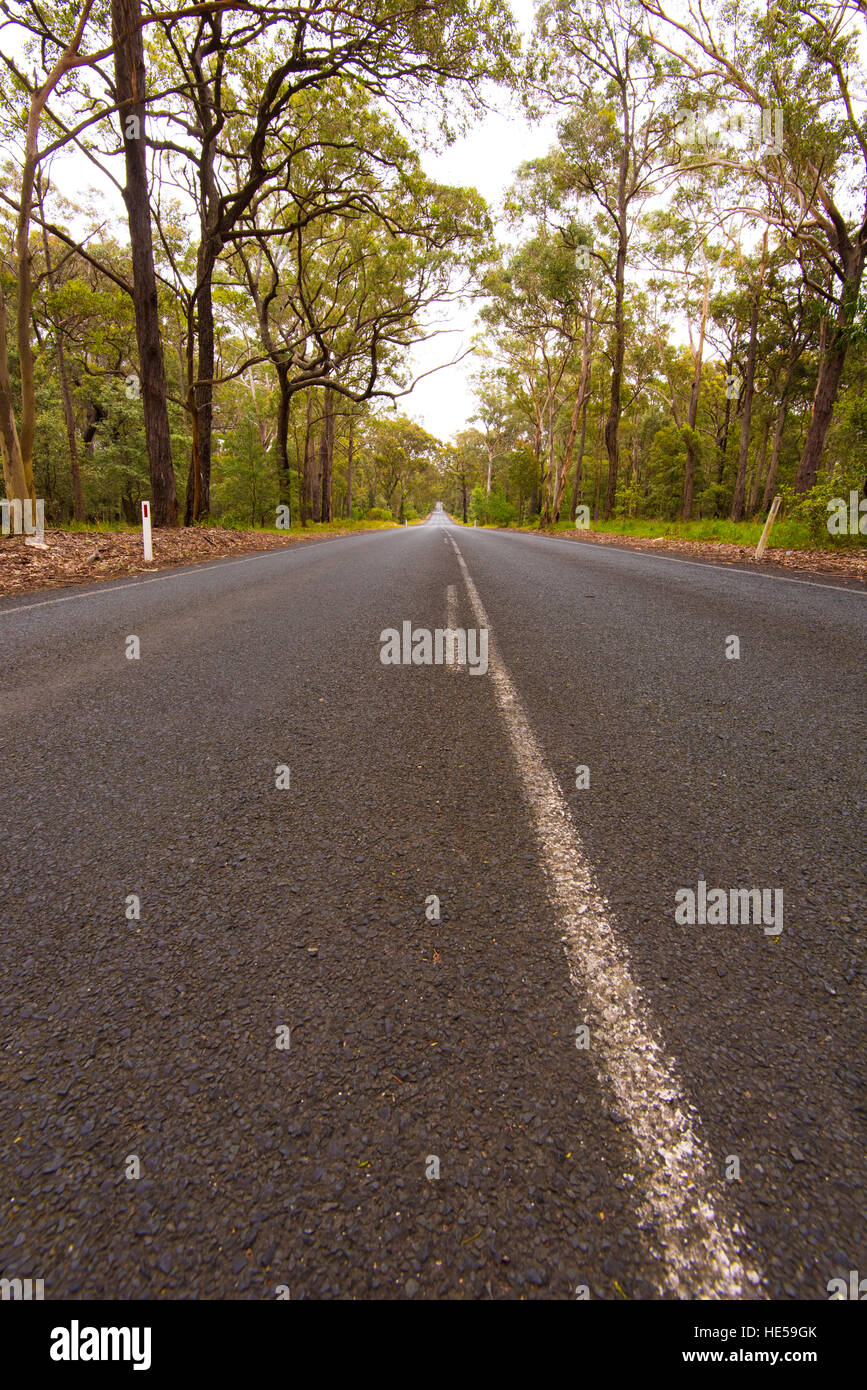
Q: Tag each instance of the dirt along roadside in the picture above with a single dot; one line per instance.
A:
(85, 557)
(850, 564)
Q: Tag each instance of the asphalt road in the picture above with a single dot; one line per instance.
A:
(599, 1159)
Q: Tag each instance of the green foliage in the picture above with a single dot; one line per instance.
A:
(665, 466)
(811, 508)
(494, 510)
(246, 491)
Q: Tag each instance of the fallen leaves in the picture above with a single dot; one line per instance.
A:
(850, 564)
(81, 557)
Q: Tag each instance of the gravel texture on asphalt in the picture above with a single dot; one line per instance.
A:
(414, 1040)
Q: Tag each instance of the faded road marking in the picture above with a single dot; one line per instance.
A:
(679, 1194)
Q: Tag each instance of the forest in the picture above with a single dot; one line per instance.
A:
(221, 247)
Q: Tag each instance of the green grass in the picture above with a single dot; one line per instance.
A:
(212, 524)
(786, 535)
(315, 527)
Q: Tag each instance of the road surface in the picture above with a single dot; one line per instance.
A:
(287, 1046)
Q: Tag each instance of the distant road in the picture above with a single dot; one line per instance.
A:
(580, 1068)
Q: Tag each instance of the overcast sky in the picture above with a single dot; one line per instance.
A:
(486, 159)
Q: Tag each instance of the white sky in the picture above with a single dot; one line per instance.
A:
(487, 158)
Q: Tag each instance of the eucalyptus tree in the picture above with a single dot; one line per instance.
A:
(615, 147)
(496, 415)
(795, 314)
(130, 91)
(683, 261)
(803, 59)
(344, 265)
(24, 107)
(539, 306)
(398, 453)
(229, 123)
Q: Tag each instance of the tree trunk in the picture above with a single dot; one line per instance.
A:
(14, 479)
(576, 486)
(778, 438)
(831, 365)
(349, 462)
(198, 499)
(579, 409)
(129, 71)
(612, 424)
(284, 475)
(548, 479)
(535, 497)
(737, 511)
(65, 393)
(722, 438)
(326, 457)
(753, 504)
(689, 472)
(307, 472)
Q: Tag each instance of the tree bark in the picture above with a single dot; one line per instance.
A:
(579, 410)
(576, 486)
(689, 471)
(65, 393)
(612, 424)
(737, 511)
(129, 70)
(284, 474)
(778, 436)
(831, 365)
(326, 457)
(349, 462)
(758, 475)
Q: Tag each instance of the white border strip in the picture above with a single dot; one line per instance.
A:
(187, 569)
(699, 564)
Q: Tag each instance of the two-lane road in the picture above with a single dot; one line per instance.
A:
(292, 1046)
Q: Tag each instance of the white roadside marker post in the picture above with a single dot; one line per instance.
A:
(760, 548)
(146, 540)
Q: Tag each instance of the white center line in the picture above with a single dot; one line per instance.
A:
(452, 656)
(680, 1195)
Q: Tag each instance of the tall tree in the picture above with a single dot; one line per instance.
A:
(130, 94)
(803, 58)
(614, 143)
(16, 444)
